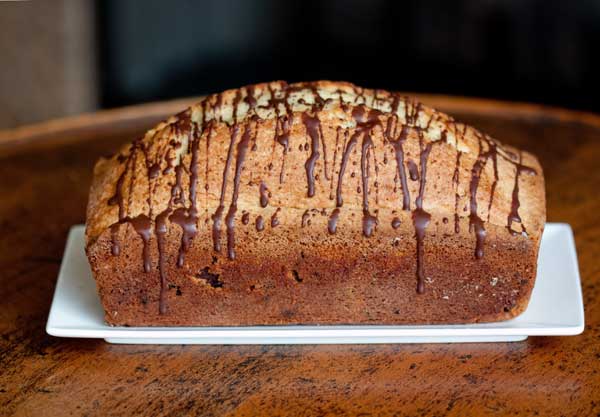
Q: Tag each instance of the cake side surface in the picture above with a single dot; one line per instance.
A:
(314, 203)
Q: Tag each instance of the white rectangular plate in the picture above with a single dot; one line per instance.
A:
(556, 308)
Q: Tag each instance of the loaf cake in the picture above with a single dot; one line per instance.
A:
(314, 203)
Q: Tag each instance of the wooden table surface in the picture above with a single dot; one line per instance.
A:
(45, 172)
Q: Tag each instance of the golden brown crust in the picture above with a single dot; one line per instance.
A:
(332, 131)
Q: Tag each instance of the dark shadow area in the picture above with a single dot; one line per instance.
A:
(538, 51)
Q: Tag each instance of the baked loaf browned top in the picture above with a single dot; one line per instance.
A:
(282, 198)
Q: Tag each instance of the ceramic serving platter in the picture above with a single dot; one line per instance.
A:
(555, 309)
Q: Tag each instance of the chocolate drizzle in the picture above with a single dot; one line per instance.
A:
(305, 219)
(421, 220)
(115, 248)
(413, 170)
(335, 152)
(195, 139)
(117, 198)
(369, 221)
(494, 158)
(456, 181)
(143, 227)
(283, 124)
(274, 218)
(217, 216)
(154, 171)
(364, 126)
(283, 139)
(186, 218)
(160, 231)
(187, 222)
(513, 216)
(264, 195)
(475, 222)
(182, 209)
(260, 224)
(242, 148)
(313, 125)
(397, 143)
(332, 222)
(345, 156)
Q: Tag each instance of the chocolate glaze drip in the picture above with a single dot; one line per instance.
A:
(332, 223)
(264, 196)
(369, 221)
(133, 175)
(117, 198)
(177, 190)
(345, 156)
(494, 157)
(398, 146)
(180, 216)
(413, 170)
(195, 140)
(230, 223)
(513, 216)
(364, 125)
(170, 164)
(456, 180)
(283, 124)
(260, 224)
(475, 222)
(154, 171)
(421, 219)
(335, 151)
(313, 126)
(115, 248)
(242, 148)
(210, 126)
(187, 222)
(143, 224)
(147, 164)
(216, 217)
(274, 219)
(250, 99)
(305, 219)
(143, 227)
(161, 230)
(245, 218)
(396, 222)
(283, 138)
(186, 219)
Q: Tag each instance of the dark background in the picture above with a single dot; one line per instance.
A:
(538, 51)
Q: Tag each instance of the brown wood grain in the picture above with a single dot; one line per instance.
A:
(45, 171)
